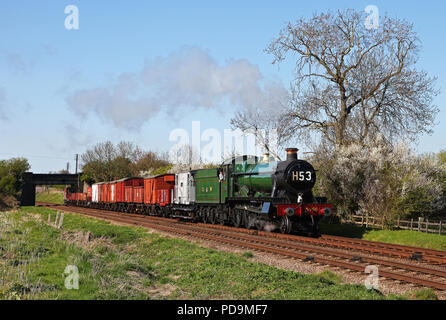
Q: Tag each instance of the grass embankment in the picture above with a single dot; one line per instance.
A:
(123, 262)
(405, 237)
(53, 196)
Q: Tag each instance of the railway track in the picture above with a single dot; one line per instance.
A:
(379, 248)
(327, 250)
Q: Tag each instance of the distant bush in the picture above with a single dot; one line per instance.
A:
(161, 170)
(381, 180)
(106, 162)
(11, 179)
(11, 175)
(441, 158)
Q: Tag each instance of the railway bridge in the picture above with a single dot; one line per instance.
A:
(28, 197)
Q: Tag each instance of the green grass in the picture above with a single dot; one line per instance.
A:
(53, 197)
(125, 262)
(248, 254)
(424, 294)
(405, 237)
(330, 276)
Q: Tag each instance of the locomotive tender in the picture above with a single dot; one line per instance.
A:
(243, 191)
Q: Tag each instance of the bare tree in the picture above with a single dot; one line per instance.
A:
(97, 162)
(105, 162)
(129, 150)
(149, 161)
(272, 131)
(185, 154)
(267, 120)
(352, 83)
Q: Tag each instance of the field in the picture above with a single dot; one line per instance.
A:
(405, 237)
(124, 262)
(53, 196)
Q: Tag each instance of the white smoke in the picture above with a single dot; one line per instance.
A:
(188, 78)
(117, 103)
(18, 64)
(269, 227)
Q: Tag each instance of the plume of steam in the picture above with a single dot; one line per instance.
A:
(187, 78)
(269, 227)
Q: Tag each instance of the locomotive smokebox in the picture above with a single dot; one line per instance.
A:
(291, 153)
(294, 178)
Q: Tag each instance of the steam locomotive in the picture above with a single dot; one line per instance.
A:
(244, 191)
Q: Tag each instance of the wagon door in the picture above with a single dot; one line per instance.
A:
(191, 188)
(113, 192)
(94, 191)
(182, 188)
(223, 183)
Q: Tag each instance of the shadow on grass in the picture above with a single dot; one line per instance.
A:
(344, 230)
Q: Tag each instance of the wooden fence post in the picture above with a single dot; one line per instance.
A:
(57, 218)
(439, 228)
(60, 221)
(411, 224)
(427, 225)
(419, 223)
(367, 220)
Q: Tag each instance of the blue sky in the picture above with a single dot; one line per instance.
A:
(42, 64)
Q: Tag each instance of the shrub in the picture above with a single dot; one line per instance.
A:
(11, 176)
(384, 181)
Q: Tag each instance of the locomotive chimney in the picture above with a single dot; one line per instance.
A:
(291, 153)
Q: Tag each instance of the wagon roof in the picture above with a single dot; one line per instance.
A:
(160, 175)
(127, 178)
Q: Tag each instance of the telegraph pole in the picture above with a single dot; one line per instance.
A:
(78, 178)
